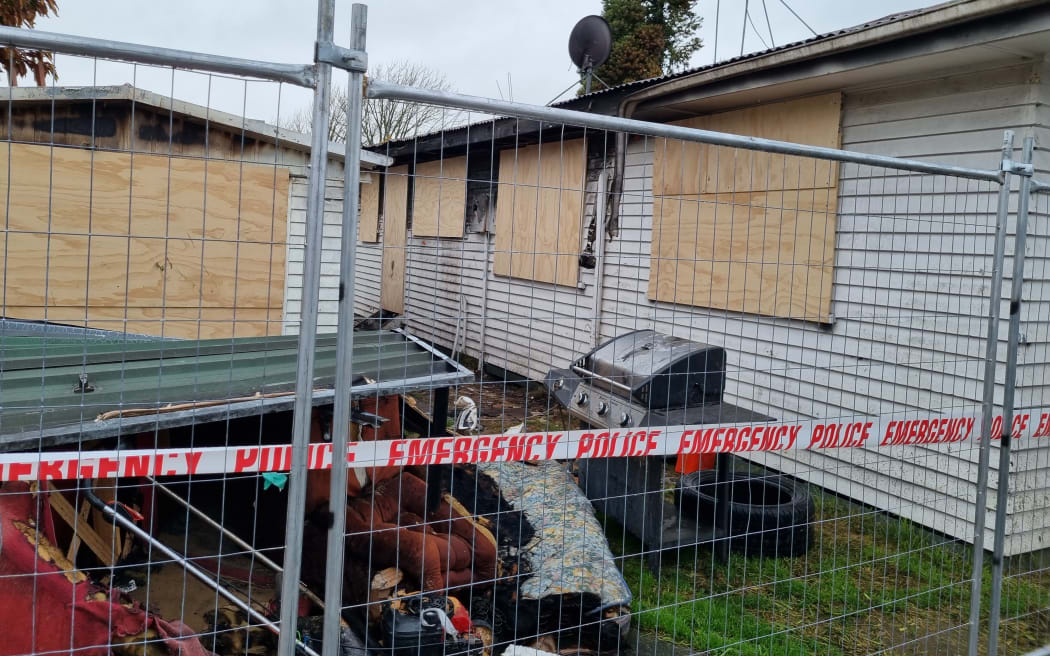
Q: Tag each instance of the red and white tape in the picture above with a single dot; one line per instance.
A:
(812, 435)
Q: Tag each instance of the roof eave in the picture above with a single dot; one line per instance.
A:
(933, 18)
(257, 129)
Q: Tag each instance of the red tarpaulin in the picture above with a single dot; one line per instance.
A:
(48, 606)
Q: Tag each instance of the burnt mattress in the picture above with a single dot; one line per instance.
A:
(568, 551)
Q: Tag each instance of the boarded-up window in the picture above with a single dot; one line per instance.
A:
(748, 231)
(124, 243)
(439, 198)
(368, 215)
(539, 209)
(395, 212)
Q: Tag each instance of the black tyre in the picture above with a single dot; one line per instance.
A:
(769, 514)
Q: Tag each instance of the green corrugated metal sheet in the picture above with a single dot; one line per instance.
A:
(40, 380)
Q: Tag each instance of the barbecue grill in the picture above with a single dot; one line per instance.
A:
(644, 378)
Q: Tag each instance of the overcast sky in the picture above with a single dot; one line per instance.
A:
(477, 44)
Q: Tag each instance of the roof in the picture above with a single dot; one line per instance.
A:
(881, 30)
(56, 332)
(259, 129)
(146, 385)
(891, 26)
(891, 18)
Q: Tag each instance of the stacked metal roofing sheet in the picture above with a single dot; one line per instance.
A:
(61, 388)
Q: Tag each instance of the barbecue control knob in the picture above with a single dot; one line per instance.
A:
(625, 419)
(581, 398)
(603, 408)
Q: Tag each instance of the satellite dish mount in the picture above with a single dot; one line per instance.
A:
(589, 45)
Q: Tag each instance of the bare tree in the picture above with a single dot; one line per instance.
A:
(302, 120)
(385, 120)
(392, 120)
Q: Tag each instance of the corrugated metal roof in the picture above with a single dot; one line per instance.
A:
(891, 18)
(40, 381)
(638, 84)
(56, 332)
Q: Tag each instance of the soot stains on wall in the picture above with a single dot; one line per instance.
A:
(120, 125)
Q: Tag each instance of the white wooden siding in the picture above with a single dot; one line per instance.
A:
(1034, 388)
(328, 304)
(530, 327)
(368, 277)
(910, 295)
(1029, 500)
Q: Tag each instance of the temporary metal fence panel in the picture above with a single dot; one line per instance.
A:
(135, 212)
(1027, 484)
(913, 262)
(626, 386)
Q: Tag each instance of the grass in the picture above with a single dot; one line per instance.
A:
(871, 582)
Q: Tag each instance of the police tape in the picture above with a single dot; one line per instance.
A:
(897, 430)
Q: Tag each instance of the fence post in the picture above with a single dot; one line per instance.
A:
(344, 371)
(1009, 387)
(304, 375)
(988, 402)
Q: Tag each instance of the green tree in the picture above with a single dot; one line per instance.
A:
(17, 63)
(650, 38)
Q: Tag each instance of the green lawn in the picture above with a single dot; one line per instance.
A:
(871, 582)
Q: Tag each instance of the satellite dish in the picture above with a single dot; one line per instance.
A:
(589, 45)
(590, 42)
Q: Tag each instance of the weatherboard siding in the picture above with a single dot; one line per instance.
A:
(328, 303)
(1029, 498)
(529, 327)
(369, 266)
(1034, 356)
(912, 273)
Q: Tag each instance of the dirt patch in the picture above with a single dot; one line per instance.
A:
(176, 594)
(503, 405)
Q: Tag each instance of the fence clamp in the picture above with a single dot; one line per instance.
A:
(355, 61)
(1018, 168)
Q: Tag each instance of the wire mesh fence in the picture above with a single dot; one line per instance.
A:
(1026, 566)
(715, 385)
(150, 248)
(845, 541)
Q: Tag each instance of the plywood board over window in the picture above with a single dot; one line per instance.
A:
(395, 217)
(749, 231)
(152, 244)
(439, 198)
(539, 210)
(368, 221)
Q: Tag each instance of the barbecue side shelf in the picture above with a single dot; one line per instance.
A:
(631, 490)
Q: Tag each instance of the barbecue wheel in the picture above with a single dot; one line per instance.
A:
(769, 514)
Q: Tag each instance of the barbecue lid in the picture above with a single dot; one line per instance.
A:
(643, 358)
